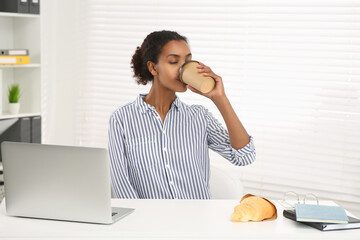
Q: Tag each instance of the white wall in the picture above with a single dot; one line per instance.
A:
(60, 85)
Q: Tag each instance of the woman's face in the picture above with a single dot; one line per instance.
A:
(173, 55)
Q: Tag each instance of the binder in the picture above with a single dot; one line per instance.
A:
(25, 130)
(36, 130)
(34, 6)
(13, 60)
(15, 6)
(14, 52)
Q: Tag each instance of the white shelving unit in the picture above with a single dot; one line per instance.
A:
(22, 31)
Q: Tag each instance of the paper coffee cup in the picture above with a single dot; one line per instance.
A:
(189, 74)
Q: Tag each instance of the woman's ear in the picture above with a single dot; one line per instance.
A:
(152, 68)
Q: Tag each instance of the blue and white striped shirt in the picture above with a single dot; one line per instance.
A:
(167, 160)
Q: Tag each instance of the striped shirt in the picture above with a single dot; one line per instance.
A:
(167, 160)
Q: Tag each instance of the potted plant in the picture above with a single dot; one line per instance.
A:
(14, 96)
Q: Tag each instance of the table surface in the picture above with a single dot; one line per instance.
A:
(170, 219)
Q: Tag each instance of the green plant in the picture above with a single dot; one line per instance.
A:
(14, 93)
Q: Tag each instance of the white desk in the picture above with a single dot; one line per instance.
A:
(176, 219)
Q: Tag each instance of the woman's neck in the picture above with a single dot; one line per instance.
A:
(161, 98)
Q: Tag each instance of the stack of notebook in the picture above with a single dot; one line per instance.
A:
(14, 56)
(324, 218)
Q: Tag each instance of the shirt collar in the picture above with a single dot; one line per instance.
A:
(144, 107)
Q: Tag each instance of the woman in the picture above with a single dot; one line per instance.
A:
(158, 145)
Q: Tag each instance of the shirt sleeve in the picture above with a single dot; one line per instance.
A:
(120, 182)
(219, 141)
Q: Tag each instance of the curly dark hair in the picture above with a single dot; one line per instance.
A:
(149, 51)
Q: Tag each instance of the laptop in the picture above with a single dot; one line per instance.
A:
(58, 182)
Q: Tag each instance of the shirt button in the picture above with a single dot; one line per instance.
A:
(163, 131)
(171, 183)
(167, 166)
(164, 149)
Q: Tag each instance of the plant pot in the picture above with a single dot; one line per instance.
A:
(14, 108)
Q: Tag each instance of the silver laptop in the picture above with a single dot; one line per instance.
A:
(58, 182)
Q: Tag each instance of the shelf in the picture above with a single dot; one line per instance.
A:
(20, 115)
(23, 15)
(31, 65)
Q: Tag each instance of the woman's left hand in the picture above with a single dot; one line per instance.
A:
(218, 90)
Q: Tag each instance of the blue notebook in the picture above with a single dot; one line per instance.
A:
(320, 213)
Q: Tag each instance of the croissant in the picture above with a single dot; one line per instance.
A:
(253, 208)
